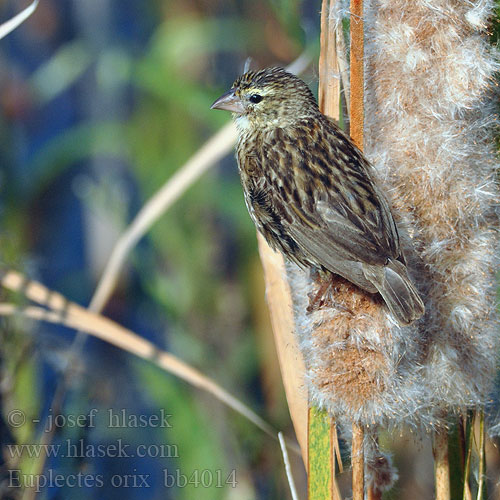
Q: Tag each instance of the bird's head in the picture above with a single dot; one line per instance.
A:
(270, 97)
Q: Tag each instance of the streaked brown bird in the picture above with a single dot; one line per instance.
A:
(311, 192)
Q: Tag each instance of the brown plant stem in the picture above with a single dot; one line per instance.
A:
(357, 135)
(441, 465)
(358, 462)
(334, 439)
(357, 73)
(10, 25)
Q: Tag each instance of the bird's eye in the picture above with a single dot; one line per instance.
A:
(255, 98)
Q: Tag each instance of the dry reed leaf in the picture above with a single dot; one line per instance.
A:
(290, 358)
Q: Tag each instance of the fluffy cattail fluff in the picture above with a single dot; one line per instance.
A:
(429, 132)
(430, 126)
(360, 364)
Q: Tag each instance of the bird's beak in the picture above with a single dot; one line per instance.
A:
(229, 102)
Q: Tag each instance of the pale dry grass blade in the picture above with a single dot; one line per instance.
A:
(288, 468)
(100, 327)
(300, 64)
(210, 153)
(67, 313)
(10, 25)
(329, 88)
(468, 441)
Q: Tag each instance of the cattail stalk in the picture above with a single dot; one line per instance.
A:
(358, 462)
(441, 465)
(357, 135)
(357, 74)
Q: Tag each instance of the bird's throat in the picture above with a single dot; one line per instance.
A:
(242, 123)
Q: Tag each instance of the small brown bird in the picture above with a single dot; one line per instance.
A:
(310, 190)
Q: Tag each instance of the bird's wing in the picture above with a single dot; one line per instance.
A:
(339, 211)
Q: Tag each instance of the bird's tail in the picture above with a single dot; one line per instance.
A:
(397, 290)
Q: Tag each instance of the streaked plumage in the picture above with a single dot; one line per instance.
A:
(310, 191)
